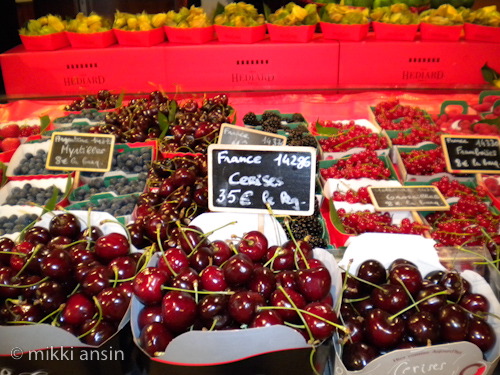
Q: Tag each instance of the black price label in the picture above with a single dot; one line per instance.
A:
(239, 135)
(81, 152)
(408, 198)
(471, 154)
(246, 178)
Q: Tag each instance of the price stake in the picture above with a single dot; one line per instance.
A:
(408, 198)
(81, 152)
(239, 135)
(246, 178)
(471, 154)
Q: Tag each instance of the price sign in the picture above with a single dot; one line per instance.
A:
(246, 178)
(408, 198)
(471, 154)
(81, 152)
(239, 135)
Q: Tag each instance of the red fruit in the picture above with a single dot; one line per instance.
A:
(10, 131)
(314, 283)
(179, 311)
(112, 245)
(9, 144)
(78, 309)
(320, 329)
(147, 285)
(155, 338)
(254, 244)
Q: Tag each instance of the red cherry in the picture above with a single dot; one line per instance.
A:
(65, 224)
(154, 338)
(149, 314)
(314, 283)
(78, 309)
(179, 311)
(238, 269)
(148, 285)
(173, 261)
(112, 245)
(213, 311)
(254, 244)
(356, 356)
(243, 305)
(212, 279)
(114, 304)
(222, 252)
(262, 281)
(320, 329)
(381, 331)
(266, 318)
(280, 298)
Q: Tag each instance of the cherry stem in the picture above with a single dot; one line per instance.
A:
(416, 303)
(363, 280)
(407, 292)
(227, 292)
(24, 285)
(297, 247)
(99, 318)
(353, 300)
(167, 263)
(55, 312)
(26, 264)
(486, 260)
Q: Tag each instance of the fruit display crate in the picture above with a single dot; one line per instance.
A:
(266, 65)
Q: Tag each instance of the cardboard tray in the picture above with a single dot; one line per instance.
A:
(242, 350)
(456, 358)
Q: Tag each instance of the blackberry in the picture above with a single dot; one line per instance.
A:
(272, 124)
(318, 242)
(251, 119)
(310, 224)
(297, 117)
(305, 140)
(268, 114)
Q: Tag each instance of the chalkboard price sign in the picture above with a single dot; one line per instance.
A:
(239, 135)
(471, 154)
(81, 152)
(247, 178)
(408, 198)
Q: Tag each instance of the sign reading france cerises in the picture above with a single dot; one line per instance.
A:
(81, 152)
(248, 178)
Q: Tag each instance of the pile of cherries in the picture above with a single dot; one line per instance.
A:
(196, 126)
(177, 192)
(378, 308)
(240, 283)
(351, 135)
(104, 99)
(364, 164)
(76, 278)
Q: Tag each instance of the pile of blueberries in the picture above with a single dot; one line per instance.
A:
(30, 194)
(119, 185)
(14, 223)
(34, 165)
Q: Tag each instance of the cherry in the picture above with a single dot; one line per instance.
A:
(179, 311)
(6, 245)
(96, 280)
(357, 355)
(23, 280)
(365, 306)
(424, 328)
(476, 304)
(280, 298)
(148, 285)
(212, 279)
(56, 267)
(37, 234)
(97, 332)
(187, 278)
(59, 242)
(25, 312)
(287, 279)
(262, 281)
(243, 305)
(408, 275)
(281, 258)
(353, 288)
(373, 272)
(238, 269)
(221, 252)
(78, 255)
(173, 261)
(314, 283)
(431, 304)
(49, 295)
(137, 235)
(213, 311)
(65, 224)
(254, 244)
(389, 297)
(6, 275)
(320, 329)
(111, 245)
(149, 314)
(266, 318)
(201, 258)
(154, 338)
(457, 285)
(123, 267)
(78, 309)
(113, 303)
(480, 333)
(382, 330)
(454, 322)
(156, 225)
(92, 233)
(355, 325)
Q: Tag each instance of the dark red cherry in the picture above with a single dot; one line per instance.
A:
(357, 355)
(244, 305)
(148, 285)
(154, 338)
(424, 328)
(179, 311)
(65, 224)
(149, 314)
(78, 309)
(266, 318)
(382, 331)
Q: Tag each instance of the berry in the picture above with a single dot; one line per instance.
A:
(10, 131)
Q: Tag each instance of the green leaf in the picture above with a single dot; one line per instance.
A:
(44, 123)
(326, 130)
(489, 74)
(119, 100)
(69, 187)
(52, 202)
(491, 121)
(164, 124)
(267, 11)
(3, 168)
(172, 111)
